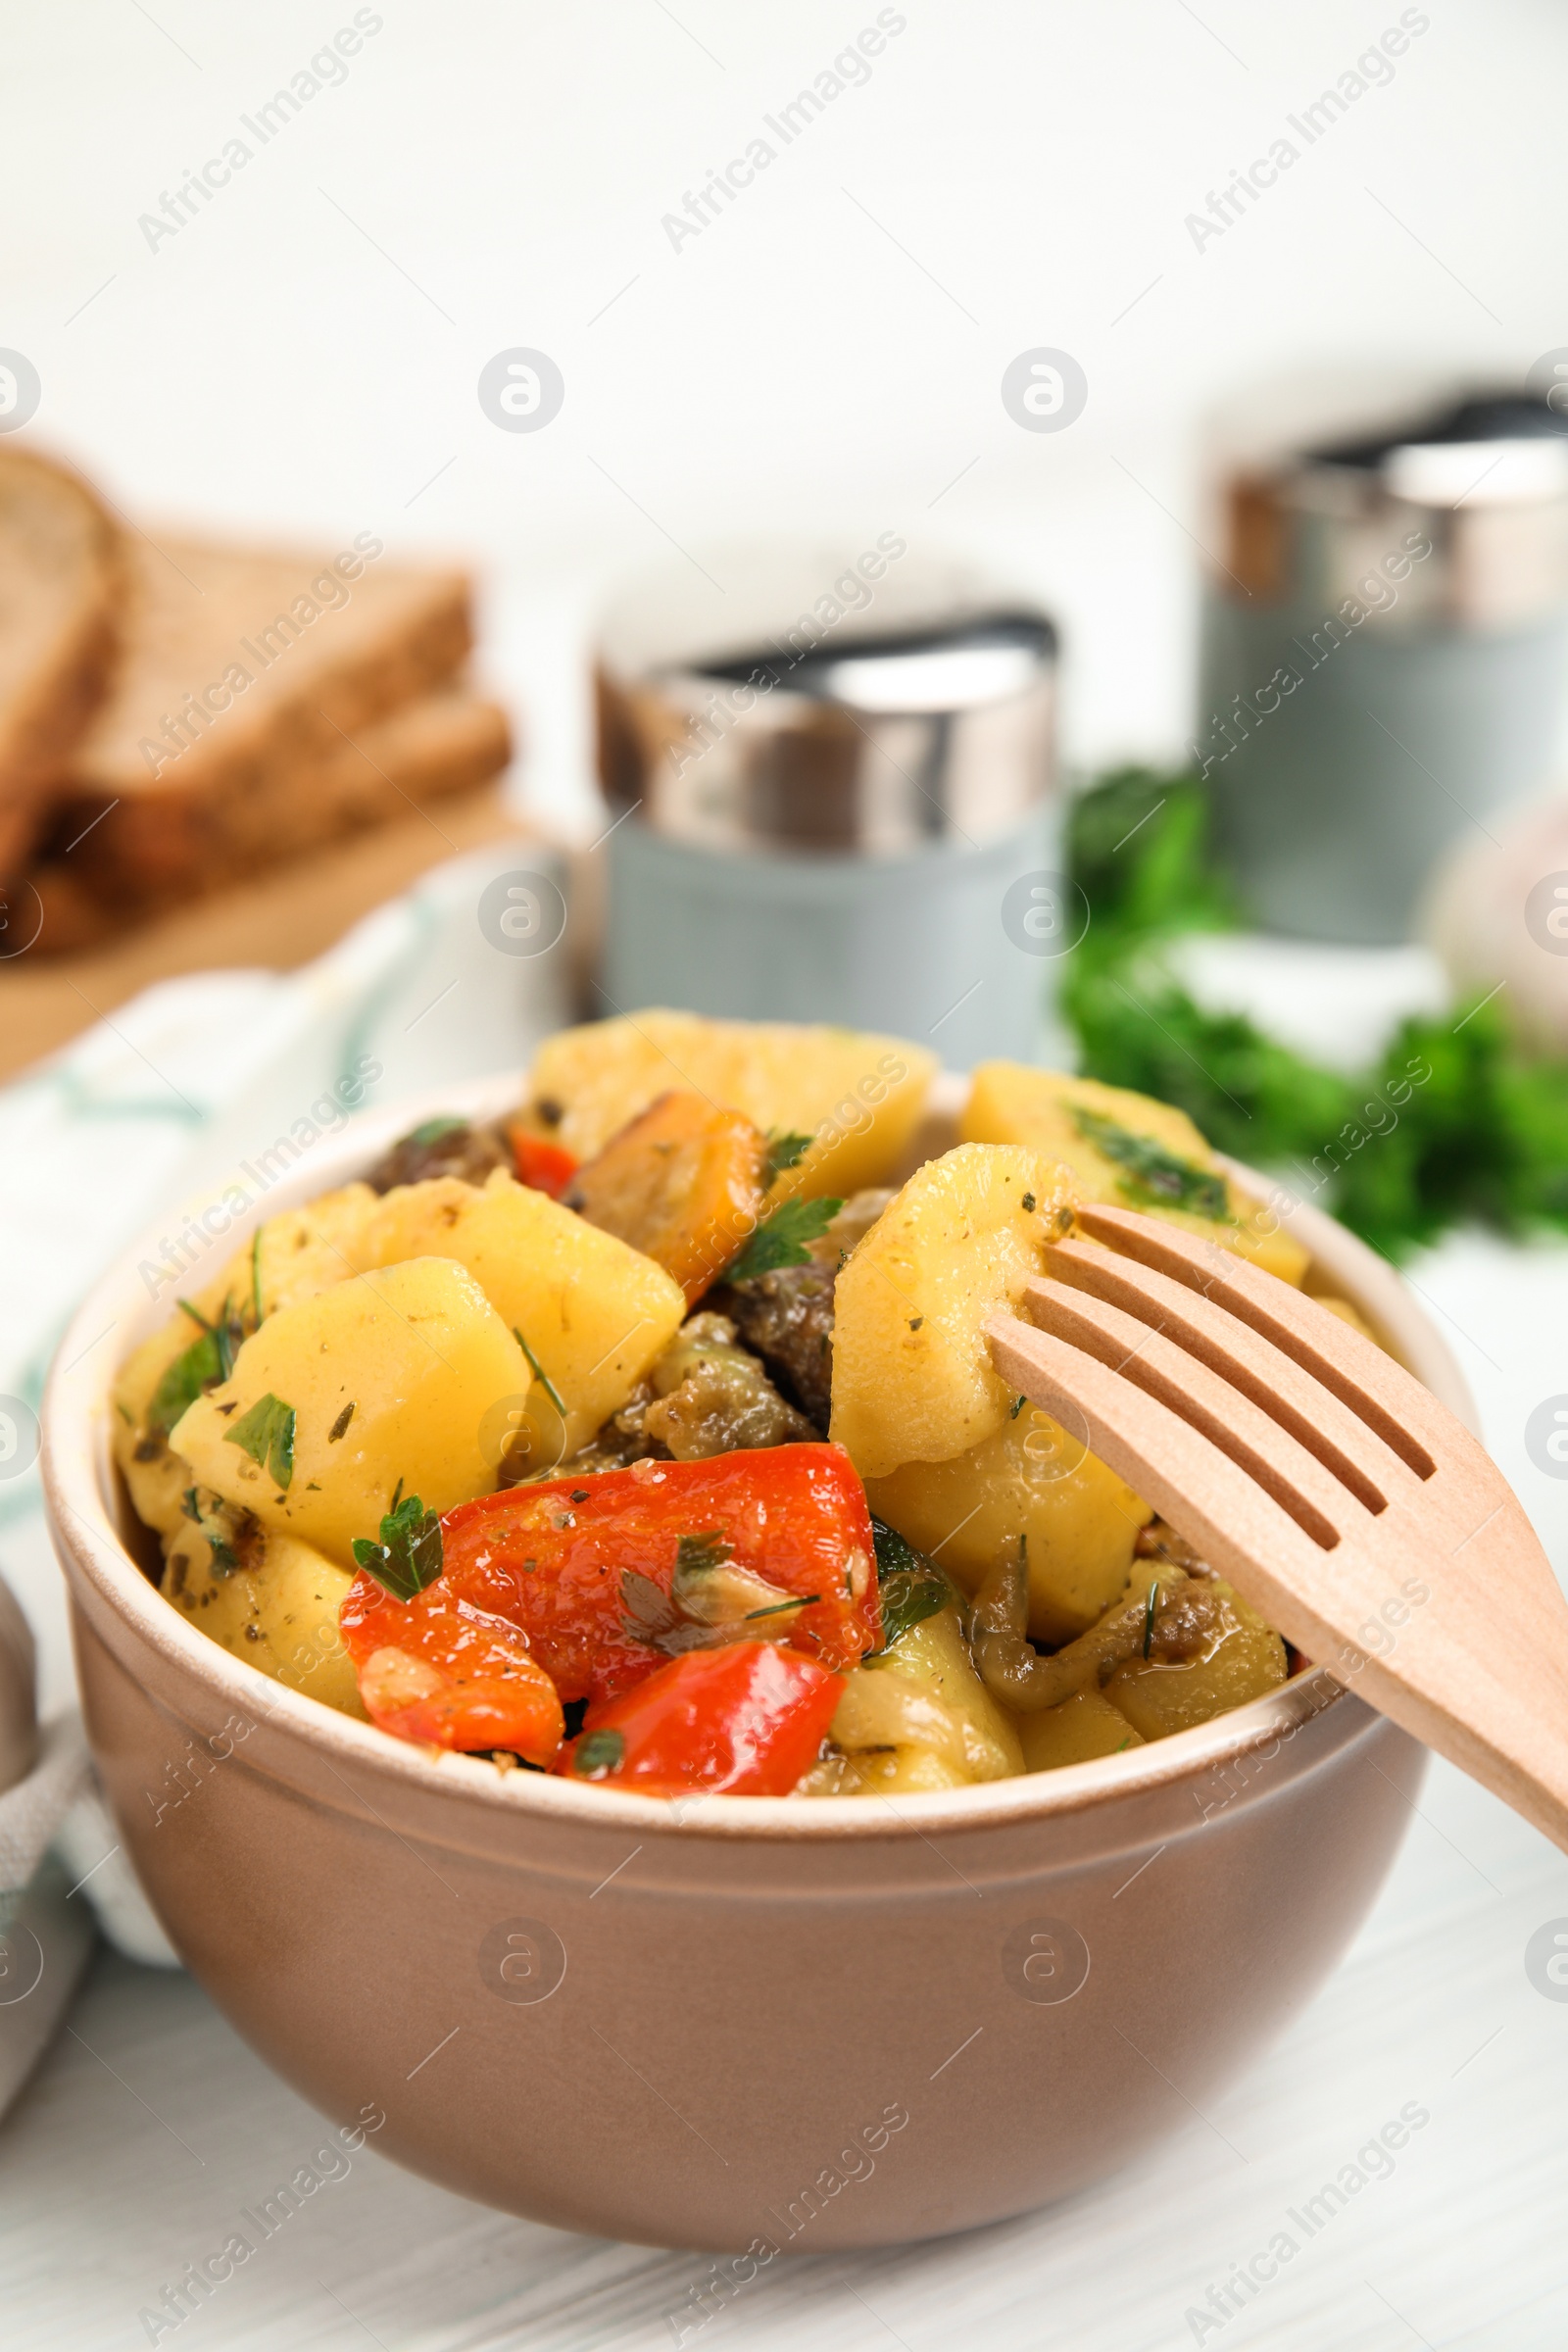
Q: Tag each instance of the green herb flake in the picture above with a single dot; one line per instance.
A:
(916, 1322)
(911, 1587)
(699, 1555)
(1156, 1177)
(188, 1377)
(1149, 1616)
(431, 1131)
(1016, 1407)
(777, 1608)
(267, 1433)
(784, 1152)
(598, 1755)
(540, 1374)
(408, 1557)
(1029, 1203)
(781, 1239)
(339, 1427)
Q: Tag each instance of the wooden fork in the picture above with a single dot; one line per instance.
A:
(1326, 1484)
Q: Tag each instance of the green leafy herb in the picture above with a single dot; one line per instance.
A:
(205, 1518)
(1029, 1203)
(1016, 1407)
(339, 1427)
(910, 1586)
(430, 1131)
(598, 1755)
(408, 1557)
(1456, 1122)
(540, 1374)
(1149, 1616)
(267, 1433)
(1154, 1174)
(781, 1239)
(187, 1378)
(698, 1555)
(784, 1152)
(777, 1608)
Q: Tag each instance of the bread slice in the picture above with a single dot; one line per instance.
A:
(245, 675)
(444, 743)
(60, 583)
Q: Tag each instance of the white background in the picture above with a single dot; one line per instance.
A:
(279, 367)
(301, 361)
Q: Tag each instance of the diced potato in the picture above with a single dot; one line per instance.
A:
(884, 1772)
(859, 1096)
(1030, 1479)
(419, 1356)
(1246, 1659)
(1083, 1727)
(596, 1313)
(683, 1182)
(931, 1665)
(277, 1611)
(1068, 1119)
(912, 1377)
(154, 1478)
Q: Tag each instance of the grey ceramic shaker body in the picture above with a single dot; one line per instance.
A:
(827, 793)
(1385, 661)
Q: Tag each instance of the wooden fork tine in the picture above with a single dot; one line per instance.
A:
(1351, 1366)
(1209, 1497)
(1289, 1393)
(1156, 1362)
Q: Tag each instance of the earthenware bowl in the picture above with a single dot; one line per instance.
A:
(735, 2024)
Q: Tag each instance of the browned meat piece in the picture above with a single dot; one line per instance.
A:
(786, 1317)
(441, 1147)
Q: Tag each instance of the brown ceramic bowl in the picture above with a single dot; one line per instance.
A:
(708, 2024)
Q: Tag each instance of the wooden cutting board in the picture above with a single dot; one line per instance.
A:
(282, 919)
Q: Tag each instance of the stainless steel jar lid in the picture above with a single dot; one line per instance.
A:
(787, 698)
(1469, 501)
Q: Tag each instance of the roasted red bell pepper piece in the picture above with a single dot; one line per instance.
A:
(440, 1670)
(545, 1167)
(585, 1566)
(747, 1720)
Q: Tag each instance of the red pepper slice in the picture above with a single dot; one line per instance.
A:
(747, 1720)
(442, 1671)
(585, 1566)
(544, 1167)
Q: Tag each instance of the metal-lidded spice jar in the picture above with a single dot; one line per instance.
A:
(1385, 657)
(827, 777)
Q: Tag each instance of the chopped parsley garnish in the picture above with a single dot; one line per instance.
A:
(784, 1152)
(409, 1555)
(267, 1433)
(698, 1555)
(912, 1587)
(1029, 1201)
(540, 1374)
(1149, 1617)
(1016, 1407)
(1155, 1176)
(775, 1608)
(430, 1131)
(204, 1364)
(340, 1425)
(781, 1239)
(597, 1754)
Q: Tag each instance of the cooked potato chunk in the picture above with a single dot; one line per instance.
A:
(858, 1097)
(684, 1182)
(384, 1380)
(912, 1378)
(1032, 1480)
(1083, 1727)
(924, 1692)
(1131, 1151)
(277, 1610)
(1211, 1651)
(595, 1312)
(884, 1772)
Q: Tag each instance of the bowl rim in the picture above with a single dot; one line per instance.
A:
(81, 1506)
